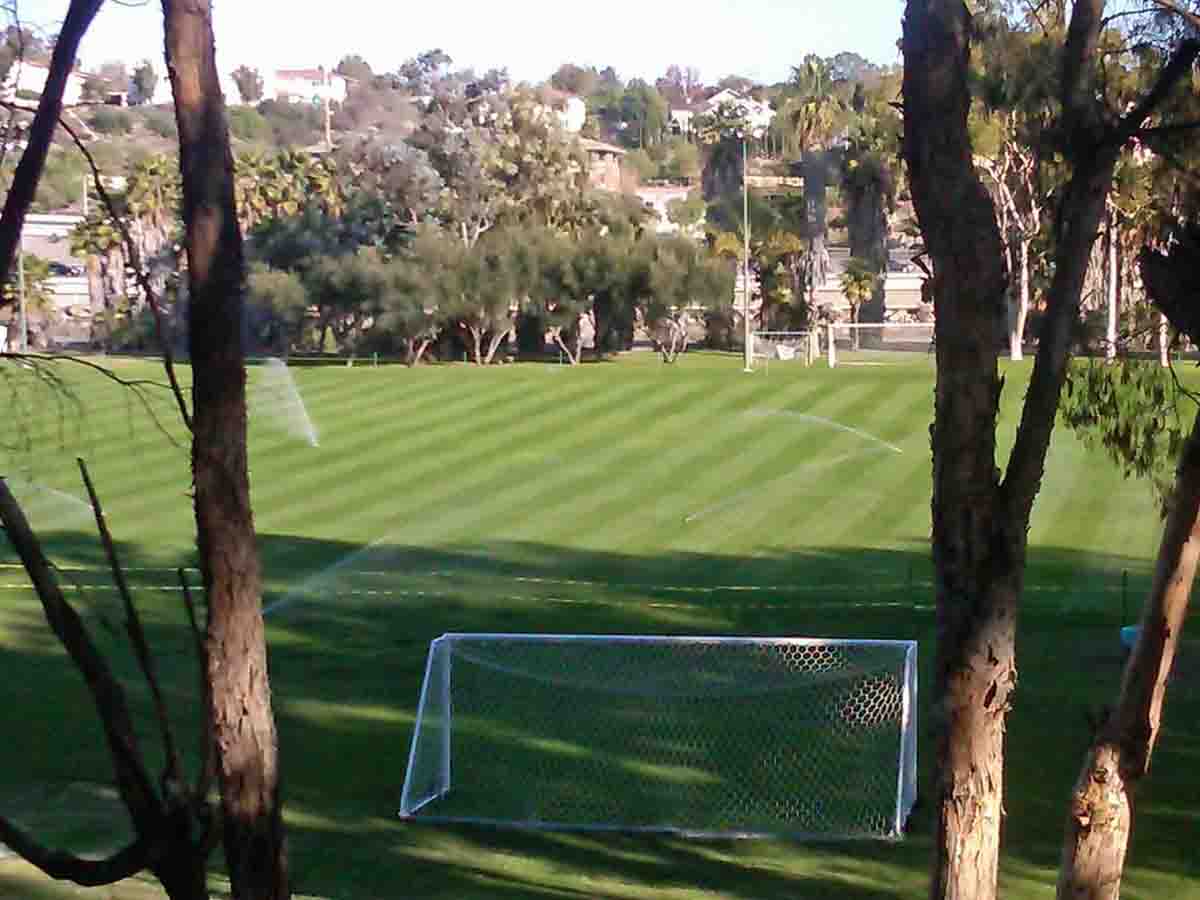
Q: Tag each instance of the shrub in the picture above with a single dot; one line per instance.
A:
(161, 122)
(111, 121)
(248, 124)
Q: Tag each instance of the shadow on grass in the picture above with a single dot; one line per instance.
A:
(350, 629)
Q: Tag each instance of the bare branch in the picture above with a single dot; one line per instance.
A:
(68, 867)
(139, 272)
(136, 384)
(41, 132)
(137, 635)
(207, 754)
(133, 782)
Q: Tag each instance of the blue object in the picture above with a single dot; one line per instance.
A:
(1129, 636)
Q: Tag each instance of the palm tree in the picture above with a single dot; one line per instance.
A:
(858, 286)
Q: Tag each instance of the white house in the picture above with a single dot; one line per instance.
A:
(757, 113)
(305, 85)
(573, 115)
(30, 78)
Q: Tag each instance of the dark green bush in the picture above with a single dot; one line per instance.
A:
(111, 120)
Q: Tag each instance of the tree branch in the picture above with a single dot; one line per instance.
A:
(65, 866)
(41, 132)
(139, 273)
(207, 756)
(137, 635)
(1179, 65)
(1172, 7)
(133, 782)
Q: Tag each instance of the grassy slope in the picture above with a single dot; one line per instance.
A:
(627, 497)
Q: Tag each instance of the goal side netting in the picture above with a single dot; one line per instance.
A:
(766, 347)
(711, 737)
(875, 343)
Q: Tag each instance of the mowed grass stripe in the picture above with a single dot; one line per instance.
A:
(790, 446)
(717, 474)
(482, 453)
(356, 443)
(887, 497)
(698, 444)
(368, 454)
(531, 497)
(633, 481)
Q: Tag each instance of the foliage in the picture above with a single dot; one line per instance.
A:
(248, 124)
(293, 124)
(162, 122)
(277, 303)
(249, 84)
(688, 212)
(144, 82)
(111, 121)
(21, 43)
(1132, 411)
(38, 298)
(641, 163)
(354, 66)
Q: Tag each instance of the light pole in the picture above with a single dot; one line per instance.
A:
(748, 337)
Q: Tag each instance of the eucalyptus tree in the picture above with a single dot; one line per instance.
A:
(980, 514)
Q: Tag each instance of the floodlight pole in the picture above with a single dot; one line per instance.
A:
(749, 347)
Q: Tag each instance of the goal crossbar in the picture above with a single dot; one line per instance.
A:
(698, 736)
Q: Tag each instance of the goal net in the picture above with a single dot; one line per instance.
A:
(709, 737)
(875, 343)
(783, 346)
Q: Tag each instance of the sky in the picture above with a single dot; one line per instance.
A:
(760, 39)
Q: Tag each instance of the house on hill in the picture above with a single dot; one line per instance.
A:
(29, 79)
(306, 85)
(604, 164)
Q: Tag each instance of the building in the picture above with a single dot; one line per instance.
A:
(604, 164)
(26, 79)
(660, 198)
(306, 85)
(758, 114)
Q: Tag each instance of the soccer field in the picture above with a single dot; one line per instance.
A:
(624, 497)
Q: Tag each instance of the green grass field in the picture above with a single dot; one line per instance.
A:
(625, 497)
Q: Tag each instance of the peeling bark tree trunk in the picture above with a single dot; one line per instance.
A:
(1111, 276)
(241, 717)
(980, 522)
(1100, 818)
(978, 553)
(1020, 310)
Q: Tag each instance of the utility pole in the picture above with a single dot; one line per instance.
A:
(85, 195)
(749, 337)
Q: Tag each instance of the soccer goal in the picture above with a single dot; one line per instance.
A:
(783, 346)
(700, 736)
(876, 343)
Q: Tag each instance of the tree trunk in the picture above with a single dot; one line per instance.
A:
(241, 718)
(977, 558)
(476, 344)
(1020, 310)
(1100, 818)
(41, 131)
(494, 344)
(1111, 276)
(562, 345)
(1164, 343)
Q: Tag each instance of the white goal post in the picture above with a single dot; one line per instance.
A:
(784, 346)
(697, 736)
(875, 338)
